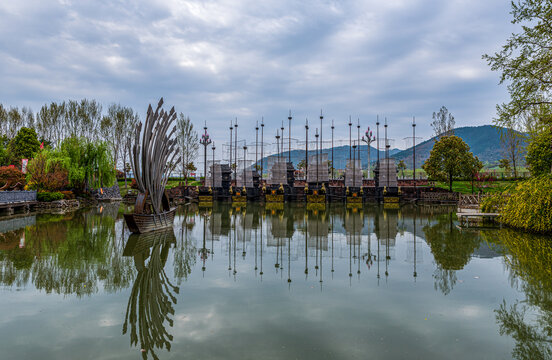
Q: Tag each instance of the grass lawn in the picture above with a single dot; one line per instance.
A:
(464, 187)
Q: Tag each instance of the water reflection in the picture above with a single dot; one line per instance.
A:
(153, 295)
(529, 261)
(365, 255)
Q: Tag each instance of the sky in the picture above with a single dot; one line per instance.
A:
(220, 60)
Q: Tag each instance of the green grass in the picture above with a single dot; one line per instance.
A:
(170, 184)
(464, 187)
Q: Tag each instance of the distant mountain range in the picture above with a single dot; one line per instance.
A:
(484, 142)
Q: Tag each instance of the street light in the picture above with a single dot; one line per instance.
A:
(205, 141)
(368, 138)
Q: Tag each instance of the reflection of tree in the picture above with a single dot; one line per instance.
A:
(69, 254)
(451, 249)
(151, 300)
(529, 259)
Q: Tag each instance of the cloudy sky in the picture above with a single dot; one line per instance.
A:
(217, 60)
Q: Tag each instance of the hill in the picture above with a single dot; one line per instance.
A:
(484, 142)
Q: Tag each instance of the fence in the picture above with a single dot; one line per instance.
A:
(17, 196)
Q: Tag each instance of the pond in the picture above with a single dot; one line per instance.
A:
(273, 283)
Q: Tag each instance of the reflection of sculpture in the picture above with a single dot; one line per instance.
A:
(151, 299)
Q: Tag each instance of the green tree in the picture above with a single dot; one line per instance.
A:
(524, 63)
(505, 165)
(450, 159)
(401, 166)
(443, 122)
(24, 145)
(539, 154)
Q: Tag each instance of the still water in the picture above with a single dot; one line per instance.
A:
(258, 283)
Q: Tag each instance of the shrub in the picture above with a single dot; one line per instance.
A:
(539, 154)
(11, 175)
(49, 196)
(45, 172)
(120, 175)
(529, 205)
(493, 203)
(133, 184)
(68, 195)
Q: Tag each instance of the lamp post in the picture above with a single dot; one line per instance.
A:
(321, 118)
(205, 141)
(369, 139)
(277, 145)
(354, 165)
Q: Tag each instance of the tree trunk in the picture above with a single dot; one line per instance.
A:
(450, 181)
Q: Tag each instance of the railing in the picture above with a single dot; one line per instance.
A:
(17, 196)
(439, 196)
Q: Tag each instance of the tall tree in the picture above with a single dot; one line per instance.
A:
(15, 122)
(188, 143)
(114, 128)
(443, 122)
(23, 145)
(49, 123)
(451, 159)
(524, 63)
(512, 144)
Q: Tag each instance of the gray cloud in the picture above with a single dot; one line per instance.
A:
(247, 59)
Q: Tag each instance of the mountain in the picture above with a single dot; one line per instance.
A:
(341, 154)
(484, 142)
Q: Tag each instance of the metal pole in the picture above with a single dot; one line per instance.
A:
(306, 148)
(236, 152)
(317, 159)
(262, 148)
(205, 155)
(256, 144)
(386, 152)
(354, 165)
(282, 128)
(358, 142)
(244, 162)
(230, 163)
(213, 166)
(350, 143)
(333, 165)
(321, 118)
(414, 149)
(289, 136)
(377, 140)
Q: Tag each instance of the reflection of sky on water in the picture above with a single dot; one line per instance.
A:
(321, 314)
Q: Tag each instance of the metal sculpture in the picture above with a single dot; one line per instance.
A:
(152, 158)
